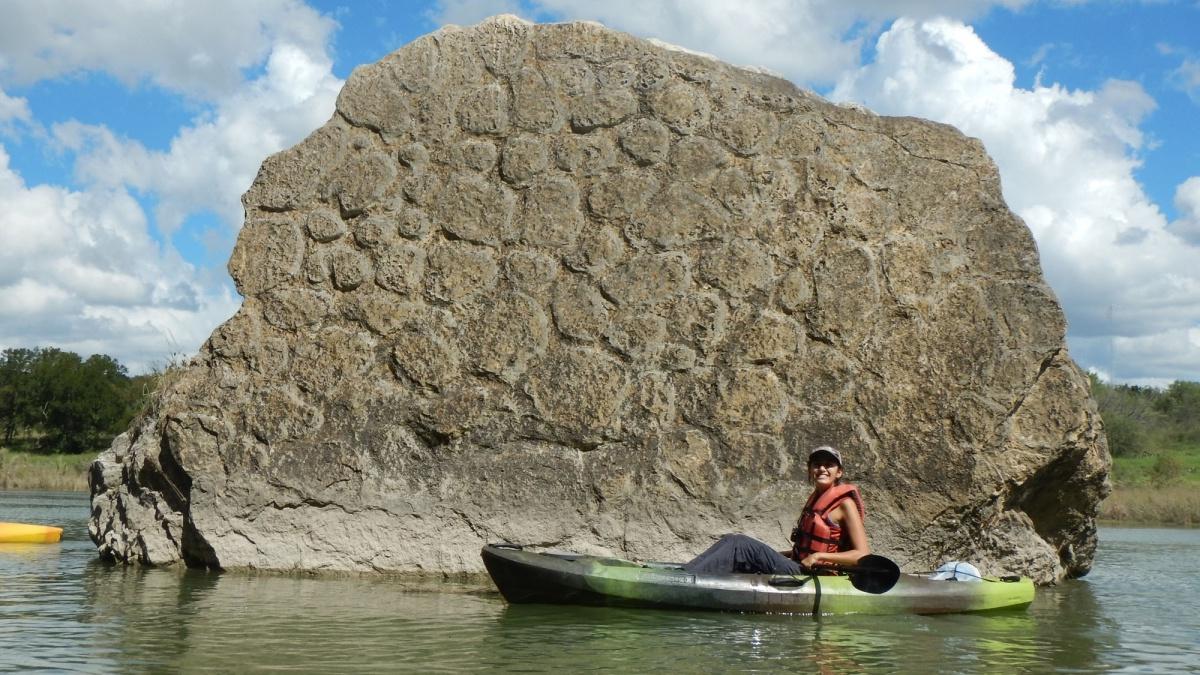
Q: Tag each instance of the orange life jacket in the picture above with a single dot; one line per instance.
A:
(816, 532)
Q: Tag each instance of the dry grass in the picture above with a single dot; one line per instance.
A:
(1165, 505)
(28, 471)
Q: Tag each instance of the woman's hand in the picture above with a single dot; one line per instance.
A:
(814, 560)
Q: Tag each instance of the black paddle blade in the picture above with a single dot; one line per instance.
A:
(873, 574)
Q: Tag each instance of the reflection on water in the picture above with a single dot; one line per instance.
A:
(61, 609)
(205, 621)
(1145, 587)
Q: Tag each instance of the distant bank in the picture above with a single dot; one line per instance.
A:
(1177, 504)
(1173, 504)
(36, 471)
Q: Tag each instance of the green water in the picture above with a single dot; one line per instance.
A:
(61, 610)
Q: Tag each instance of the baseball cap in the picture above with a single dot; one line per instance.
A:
(826, 450)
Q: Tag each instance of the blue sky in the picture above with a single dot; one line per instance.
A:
(128, 133)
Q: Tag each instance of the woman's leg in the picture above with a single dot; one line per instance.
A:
(742, 554)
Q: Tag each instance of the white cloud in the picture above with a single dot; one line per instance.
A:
(810, 41)
(1187, 201)
(1150, 360)
(1187, 78)
(28, 297)
(467, 12)
(80, 268)
(12, 108)
(1066, 157)
(14, 115)
(210, 164)
(198, 48)
(79, 271)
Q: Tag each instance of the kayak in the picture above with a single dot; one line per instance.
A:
(569, 578)
(20, 533)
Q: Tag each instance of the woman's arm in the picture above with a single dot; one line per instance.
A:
(846, 515)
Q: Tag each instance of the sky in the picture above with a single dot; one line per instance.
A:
(129, 131)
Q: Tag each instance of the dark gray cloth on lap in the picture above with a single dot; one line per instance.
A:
(741, 554)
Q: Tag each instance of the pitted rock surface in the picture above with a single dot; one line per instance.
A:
(555, 285)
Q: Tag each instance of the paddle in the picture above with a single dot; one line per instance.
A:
(872, 573)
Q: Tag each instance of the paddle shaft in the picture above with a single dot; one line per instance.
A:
(872, 573)
(868, 564)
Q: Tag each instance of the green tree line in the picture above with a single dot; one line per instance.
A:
(56, 401)
(1147, 420)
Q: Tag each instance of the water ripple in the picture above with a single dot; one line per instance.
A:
(61, 610)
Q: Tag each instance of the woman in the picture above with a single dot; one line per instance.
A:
(829, 533)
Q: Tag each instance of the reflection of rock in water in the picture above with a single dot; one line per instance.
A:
(163, 620)
(554, 284)
(150, 612)
(1074, 631)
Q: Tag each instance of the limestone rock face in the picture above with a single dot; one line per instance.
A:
(556, 285)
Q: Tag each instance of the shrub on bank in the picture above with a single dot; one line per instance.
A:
(58, 472)
(1161, 505)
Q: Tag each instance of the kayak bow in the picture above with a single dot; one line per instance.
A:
(20, 533)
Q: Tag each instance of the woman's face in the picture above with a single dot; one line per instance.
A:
(824, 471)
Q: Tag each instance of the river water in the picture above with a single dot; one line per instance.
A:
(61, 610)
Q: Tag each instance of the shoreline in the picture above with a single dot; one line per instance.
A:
(1172, 505)
(1176, 505)
(25, 471)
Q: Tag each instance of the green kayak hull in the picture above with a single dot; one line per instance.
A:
(530, 577)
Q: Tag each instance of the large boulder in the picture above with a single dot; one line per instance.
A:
(556, 285)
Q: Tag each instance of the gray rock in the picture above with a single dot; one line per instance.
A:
(556, 285)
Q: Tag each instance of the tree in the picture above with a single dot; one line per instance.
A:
(1125, 435)
(79, 405)
(1180, 404)
(72, 404)
(15, 390)
(1129, 416)
(56, 398)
